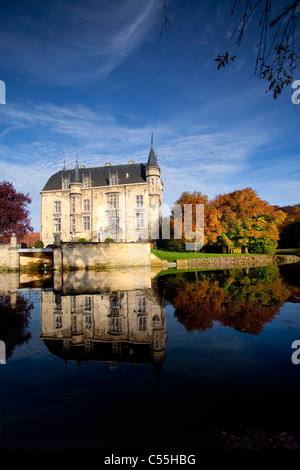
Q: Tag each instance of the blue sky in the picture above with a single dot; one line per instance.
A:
(92, 79)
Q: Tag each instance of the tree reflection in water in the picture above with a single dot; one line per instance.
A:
(14, 322)
(241, 300)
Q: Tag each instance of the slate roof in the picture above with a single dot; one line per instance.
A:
(75, 178)
(152, 161)
(100, 175)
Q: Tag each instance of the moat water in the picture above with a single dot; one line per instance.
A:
(140, 361)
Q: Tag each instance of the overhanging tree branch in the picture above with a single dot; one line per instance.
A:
(276, 56)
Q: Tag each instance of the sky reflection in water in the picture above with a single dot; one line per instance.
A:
(127, 360)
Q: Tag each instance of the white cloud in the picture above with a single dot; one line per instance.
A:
(72, 42)
(209, 160)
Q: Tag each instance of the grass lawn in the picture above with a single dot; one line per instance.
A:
(288, 251)
(172, 256)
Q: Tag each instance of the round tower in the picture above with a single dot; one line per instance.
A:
(155, 195)
(153, 178)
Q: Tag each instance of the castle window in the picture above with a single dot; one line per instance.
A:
(113, 201)
(113, 205)
(113, 177)
(142, 322)
(86, 223)
(65, 182)
(86, 205)
(115, 304)
(86, 179)
(113, 222)
(87, 303)
(57, 207)
(73, 225)
(139, 202)
(139, 220)
(141, 304)
(58, 321)
(57, 302)
(74, 327)
(115, 325)
(57, 224)
(73, 204)
(87, 322)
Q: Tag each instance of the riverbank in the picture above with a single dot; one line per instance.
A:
(95, 256)
(182, 260)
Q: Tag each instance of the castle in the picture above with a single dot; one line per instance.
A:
(119, 202)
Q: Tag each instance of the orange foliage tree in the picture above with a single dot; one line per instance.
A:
(248, 221)
(239, 221)
(243, 302)
(212, 225)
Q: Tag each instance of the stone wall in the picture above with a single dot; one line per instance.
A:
(93, 255)
(9, 257)
(4, 255)
(227, 262)
(95, 281)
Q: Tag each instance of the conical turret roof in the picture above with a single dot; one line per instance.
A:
(152, 161)
(76, 176)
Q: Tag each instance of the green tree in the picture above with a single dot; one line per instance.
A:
(38, 244)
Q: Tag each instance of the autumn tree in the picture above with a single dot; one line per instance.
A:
(248, 221)
(244, 302)
(14, 322)
(211, 223)
(14, 215)
(290, 229)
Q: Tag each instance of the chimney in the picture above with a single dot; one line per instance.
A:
(107, 164)
(131, 161)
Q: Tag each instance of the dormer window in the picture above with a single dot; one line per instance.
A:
(65, 182)
(113, 177)
(87, 180)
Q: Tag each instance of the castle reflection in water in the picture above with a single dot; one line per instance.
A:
(104, 316)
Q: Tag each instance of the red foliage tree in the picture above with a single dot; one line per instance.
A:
(14, 322)
(14, 216)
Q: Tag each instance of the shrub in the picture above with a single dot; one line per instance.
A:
(82, 240)
(263, 246)
(23, 245)
(109, 240)
(38, 244)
